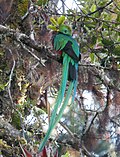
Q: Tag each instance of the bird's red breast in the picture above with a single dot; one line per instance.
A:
(59, 52)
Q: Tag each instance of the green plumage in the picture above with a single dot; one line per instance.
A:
(64, 42)
(61, 40)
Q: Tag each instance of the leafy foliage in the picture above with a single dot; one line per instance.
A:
(56, 23)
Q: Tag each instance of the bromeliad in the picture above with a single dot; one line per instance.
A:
(69, 56)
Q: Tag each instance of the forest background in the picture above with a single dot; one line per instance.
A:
(30, 76)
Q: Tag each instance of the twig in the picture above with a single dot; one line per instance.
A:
(68, 130)
(91, 122)
(111, 120)
(23, 39)
(10, 78)
(22, 150)
(36, 57)
(100, 8)
(25, 16)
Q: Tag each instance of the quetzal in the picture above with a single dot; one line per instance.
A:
(67, 46)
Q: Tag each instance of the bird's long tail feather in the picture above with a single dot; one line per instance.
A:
(61, 92)
(56, 120)
(69, 93)
(58, 102)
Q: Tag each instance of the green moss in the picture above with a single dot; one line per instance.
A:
(16, 120)
(22, 7)
(4, 70)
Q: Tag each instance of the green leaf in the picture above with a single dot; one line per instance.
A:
(107, 42)
(92, 57)
(93, 8)
(53, 21)
(66, 155)
(118, 18)
(116, 51)
(94, 39)
(52, 27)
(103, 2)
(2, 86)
(114, 16)
(60, 20)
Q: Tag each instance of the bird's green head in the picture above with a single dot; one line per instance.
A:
(65, 29)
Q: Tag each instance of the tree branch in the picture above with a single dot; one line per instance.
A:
(20, 37)
(26, 40)
(100, 8)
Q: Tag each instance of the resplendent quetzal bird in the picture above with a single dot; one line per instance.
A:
(67, 46)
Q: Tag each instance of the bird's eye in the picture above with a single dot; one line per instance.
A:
(65, 31)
